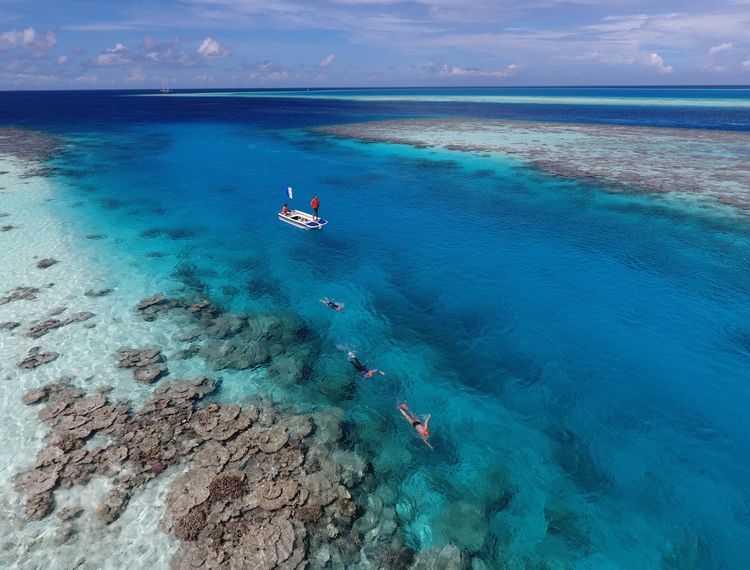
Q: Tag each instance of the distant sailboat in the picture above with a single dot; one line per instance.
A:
(165, 86)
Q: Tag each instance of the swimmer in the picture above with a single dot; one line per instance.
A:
(361, 367)
(332, 304)
(416, 423)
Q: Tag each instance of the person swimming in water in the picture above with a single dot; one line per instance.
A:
(361, 367)
(416, 423)
(332, 304)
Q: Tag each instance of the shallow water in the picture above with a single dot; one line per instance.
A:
(584, 354)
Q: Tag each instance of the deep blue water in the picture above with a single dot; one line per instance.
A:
(585, 355)
(105, 109)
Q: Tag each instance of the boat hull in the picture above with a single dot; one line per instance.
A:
(302, 220)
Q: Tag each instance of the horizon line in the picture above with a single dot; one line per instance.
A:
(583, 86)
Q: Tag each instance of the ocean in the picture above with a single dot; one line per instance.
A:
(580, 340)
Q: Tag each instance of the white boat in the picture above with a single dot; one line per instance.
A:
(165, 86)
(302, 220)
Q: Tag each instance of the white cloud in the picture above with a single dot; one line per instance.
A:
(28, 38)
(718, 58)
(455, 71)
(165, 53)
(278, 75)
(151, 52)
(746, 64)
(117, 55)
(88, 78)
(655, 60)
(327, 60)
(720, 48)
(211, 48)
(62, 60)
(601, 57)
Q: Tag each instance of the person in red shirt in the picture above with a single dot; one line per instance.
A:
(285, 210)
(315, 203)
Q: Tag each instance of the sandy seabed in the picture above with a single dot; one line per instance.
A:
(86, 352)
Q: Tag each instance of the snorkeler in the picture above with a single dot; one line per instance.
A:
(361, 367)
(332, 304)
(416, 423)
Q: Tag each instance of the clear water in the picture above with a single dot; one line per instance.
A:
(584, 355)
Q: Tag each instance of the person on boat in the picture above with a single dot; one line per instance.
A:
(285, 210)
(359, 366)
(315, 204)
(332, 304)
(414, 421)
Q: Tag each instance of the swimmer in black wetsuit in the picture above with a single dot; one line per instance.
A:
(360, 367)
(356, 363)
(332, 304)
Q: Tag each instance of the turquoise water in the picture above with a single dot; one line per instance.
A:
(633, 97)
(584, 354)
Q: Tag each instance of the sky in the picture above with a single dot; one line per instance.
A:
(98, 44)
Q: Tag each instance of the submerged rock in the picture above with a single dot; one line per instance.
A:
(148, 363)
(69, 513)
(135, 358)
(151, 307)
(36, 358)
(47, 262)
(114, 503)
(97, 292)
(35, 395)
(42, 328)
(39, 506)
(152, 301)
(9, 326)
(150, 374)
(19, 294)
(186, 353)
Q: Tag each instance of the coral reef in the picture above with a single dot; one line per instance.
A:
(260, 487)
(260, 491)
(42, 328)
(36, 358)
(47, 262)
(147, 364)
(97, 292)
(622, 157)
(19, 294)
(28, 145)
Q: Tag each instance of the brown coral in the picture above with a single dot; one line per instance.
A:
(227, 485)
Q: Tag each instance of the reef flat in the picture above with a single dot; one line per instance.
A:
(707, 164)
(535, 99)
